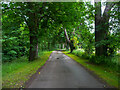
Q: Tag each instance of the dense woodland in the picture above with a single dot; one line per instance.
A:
(32, 27)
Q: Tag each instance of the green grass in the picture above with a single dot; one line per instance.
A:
(112, 62)
(105, 73)
(16, 73)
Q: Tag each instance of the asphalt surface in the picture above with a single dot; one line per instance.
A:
(61, 71)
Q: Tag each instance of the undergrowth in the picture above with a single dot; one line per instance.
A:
(17, 72)
(112, 62)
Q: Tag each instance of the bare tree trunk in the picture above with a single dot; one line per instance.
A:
(66, 35)
(69, 42)
(67, 45)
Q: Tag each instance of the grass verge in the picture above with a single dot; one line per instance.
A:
(108, 76)
(16, 73)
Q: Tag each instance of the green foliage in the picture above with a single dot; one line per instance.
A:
(17, 72)
(52, 18)
(81, 53)
(98, 59)
(45, 24)
(111, 62)
(12, 52)
(15, 43)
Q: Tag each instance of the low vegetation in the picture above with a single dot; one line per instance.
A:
(108, 74)
(112, 62)
(17, 72)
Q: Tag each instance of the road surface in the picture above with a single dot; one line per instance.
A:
(61, 71)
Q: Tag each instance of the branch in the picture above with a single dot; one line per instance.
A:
(66, 35)
(98, 10)
(108, 7)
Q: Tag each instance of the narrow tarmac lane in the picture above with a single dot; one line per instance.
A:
(61, 71)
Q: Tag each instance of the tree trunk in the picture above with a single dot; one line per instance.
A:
(105, 19)
(67, 45)
(33, 27)
(61, 46)
(69, 42)
(71, 47)
(33, 52)
(101, 28)
(36, 51)
(49, 46)
(98, 37)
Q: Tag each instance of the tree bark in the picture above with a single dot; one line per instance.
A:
(105, 19)
(49, 46)
(66, 35)
(69, 42)
(67, 45)
(33, 26)
(98, 49)
(33, 52)
(101, 28)
(61, 46)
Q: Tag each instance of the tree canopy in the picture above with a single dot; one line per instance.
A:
(30, 27)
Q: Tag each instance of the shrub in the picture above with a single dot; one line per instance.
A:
(97, 59)
(110, 61)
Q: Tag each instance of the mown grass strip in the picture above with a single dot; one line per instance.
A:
(109, 77)
(16, 73)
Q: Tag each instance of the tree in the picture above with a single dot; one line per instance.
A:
(101, 27)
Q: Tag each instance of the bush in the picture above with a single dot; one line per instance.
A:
(12, 52)
(78, 53)
(81, 53)
(107, 61)
(98, 59)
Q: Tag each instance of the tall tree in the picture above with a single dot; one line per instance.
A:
(101, 27)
